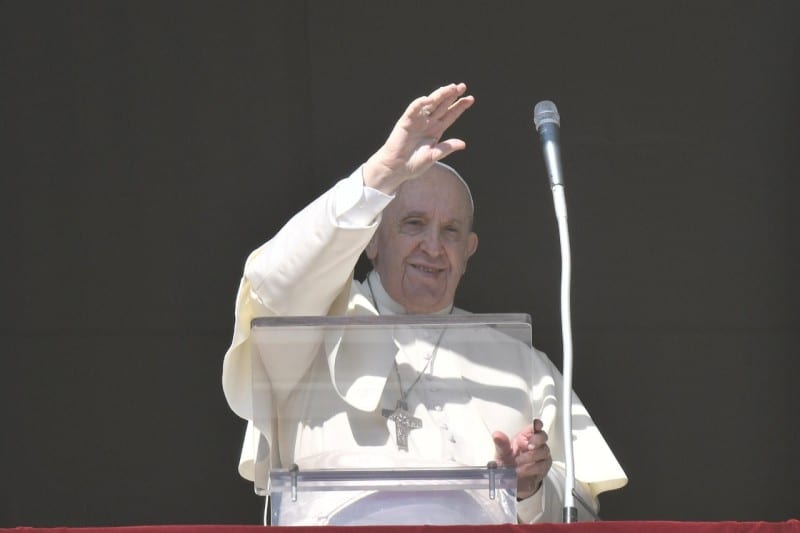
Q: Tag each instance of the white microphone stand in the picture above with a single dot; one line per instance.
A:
(570, 513)
(548, 121)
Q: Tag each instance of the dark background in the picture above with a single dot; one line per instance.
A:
(147, 147)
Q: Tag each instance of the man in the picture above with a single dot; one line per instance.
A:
(412, 215)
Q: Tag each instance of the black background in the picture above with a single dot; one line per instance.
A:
(147, 147)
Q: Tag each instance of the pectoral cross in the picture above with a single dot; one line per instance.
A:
(404, 422)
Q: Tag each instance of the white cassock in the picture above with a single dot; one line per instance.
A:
(322, 407)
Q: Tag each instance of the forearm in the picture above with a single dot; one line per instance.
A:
(302, 269)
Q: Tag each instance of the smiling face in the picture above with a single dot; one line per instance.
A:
(425, 238)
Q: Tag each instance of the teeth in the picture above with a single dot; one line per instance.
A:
(424, 269)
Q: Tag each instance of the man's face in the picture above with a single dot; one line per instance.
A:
(424, 240)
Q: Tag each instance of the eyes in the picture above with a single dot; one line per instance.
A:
(413, 226)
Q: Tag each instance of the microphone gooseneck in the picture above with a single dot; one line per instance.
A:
(547, 122)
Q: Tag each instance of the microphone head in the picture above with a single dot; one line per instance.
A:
(545, 112)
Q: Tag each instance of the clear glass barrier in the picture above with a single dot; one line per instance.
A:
(386, 394)
(402, 496)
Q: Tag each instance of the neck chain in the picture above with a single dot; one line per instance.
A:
(403, 420)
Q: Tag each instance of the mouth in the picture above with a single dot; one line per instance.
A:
(427, 270)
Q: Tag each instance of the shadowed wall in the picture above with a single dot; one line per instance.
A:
(146, 148)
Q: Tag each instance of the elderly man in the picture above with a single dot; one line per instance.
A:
(412, 215)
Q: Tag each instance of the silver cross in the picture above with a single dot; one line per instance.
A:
(404, 422)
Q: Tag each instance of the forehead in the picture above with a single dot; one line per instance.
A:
(438, 193)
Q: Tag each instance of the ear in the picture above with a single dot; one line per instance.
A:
(472, 244)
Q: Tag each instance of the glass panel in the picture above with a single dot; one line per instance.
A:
(389, 393)
(403, 496)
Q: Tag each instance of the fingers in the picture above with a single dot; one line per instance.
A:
(435, 104)
(528, 452)
(535, 434)
(534, 463)
(525, 446)
(445, 148)
(535, 448)
(537, 439)
(539, 454)
(531, 433)
(454, 110)
(415, 144)
(531, 468)
(444, 105)
(530, 474)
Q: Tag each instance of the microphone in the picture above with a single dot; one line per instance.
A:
(547, 121)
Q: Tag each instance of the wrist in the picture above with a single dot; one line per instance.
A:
(380, 176)
(524, 495)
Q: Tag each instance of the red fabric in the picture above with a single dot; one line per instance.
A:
(791, 526)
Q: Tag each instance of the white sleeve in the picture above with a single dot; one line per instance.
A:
(544, 506)
(547, 505)
(309, 262)
(355, 204)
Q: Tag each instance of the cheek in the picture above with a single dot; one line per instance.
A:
(458, 259)
(404, 247)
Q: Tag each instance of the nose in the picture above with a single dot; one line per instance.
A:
(431, 242)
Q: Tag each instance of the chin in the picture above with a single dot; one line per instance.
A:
(424, 298)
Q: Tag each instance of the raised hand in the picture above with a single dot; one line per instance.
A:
(415, 144)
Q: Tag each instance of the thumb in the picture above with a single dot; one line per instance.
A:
(502, 445)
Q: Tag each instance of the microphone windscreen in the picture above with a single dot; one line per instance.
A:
(545, 112)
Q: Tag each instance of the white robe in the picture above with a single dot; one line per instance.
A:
(306, 269)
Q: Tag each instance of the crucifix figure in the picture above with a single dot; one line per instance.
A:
(404, 422)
